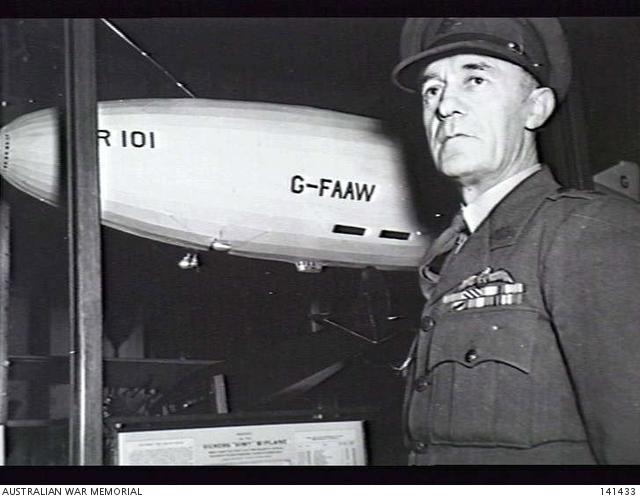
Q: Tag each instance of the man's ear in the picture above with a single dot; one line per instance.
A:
(542, 103)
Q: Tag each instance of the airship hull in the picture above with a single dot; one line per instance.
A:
(269, 181)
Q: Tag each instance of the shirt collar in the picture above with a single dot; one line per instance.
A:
(475, 212)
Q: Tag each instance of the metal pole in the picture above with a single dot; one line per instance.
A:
(5, 260)
(85, 286)
(5, 232)
(5, 91)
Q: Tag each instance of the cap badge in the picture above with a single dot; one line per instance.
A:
(516, 47)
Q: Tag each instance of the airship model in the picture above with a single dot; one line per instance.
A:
(281, 182)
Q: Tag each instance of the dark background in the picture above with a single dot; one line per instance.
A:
(253, 314)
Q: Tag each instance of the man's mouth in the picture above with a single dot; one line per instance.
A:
(453, 136)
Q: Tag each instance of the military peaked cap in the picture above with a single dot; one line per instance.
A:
(536, 44)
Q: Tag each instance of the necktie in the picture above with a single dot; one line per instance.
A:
(452, 237)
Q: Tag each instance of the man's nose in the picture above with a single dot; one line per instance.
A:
(450, 103)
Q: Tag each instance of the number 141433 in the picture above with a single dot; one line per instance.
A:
(617, 491)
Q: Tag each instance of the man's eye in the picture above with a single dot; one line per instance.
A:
(477, 80)
(430, 92)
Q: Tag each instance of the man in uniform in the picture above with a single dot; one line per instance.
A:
(529, 346)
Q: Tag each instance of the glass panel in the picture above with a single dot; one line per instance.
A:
(38, 339)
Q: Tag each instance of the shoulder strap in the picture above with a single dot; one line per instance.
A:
(567, 192)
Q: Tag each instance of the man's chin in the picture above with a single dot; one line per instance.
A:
(456, 170)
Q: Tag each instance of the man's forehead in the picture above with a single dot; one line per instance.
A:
(466, 62)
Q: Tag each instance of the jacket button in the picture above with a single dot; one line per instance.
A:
(419, 446)
(421, 384)
(427, 323)
(471, 355)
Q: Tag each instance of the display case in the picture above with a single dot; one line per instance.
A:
(187, 330)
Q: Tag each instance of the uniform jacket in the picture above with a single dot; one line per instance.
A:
(551, 373)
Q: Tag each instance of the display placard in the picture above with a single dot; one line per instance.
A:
(317, 444)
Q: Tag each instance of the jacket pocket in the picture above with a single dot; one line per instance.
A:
(479, 366)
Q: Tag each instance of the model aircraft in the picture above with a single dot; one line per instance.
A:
(281, 182)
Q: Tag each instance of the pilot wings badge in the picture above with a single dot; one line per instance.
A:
(488, 288)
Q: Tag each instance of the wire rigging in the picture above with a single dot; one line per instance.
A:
(130, 42)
